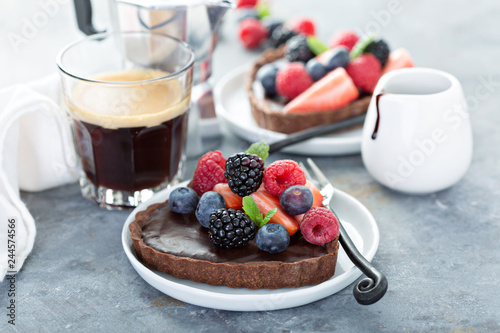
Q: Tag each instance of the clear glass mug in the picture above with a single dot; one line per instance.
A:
(127, 97)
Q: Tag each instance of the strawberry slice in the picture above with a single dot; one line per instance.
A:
(266, 201)
(317, 200)
(399, 58)
(232, 199)
(334, 91)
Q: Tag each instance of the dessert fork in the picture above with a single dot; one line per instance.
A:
(372, 288)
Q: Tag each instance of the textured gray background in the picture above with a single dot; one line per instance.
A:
(440, 252)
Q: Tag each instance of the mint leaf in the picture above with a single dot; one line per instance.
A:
(360, 46)
(253, 212)
(269, 215)
(259, 148)
(262, 10)
(315, 45)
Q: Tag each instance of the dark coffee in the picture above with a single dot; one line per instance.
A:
(131, 159)
(130, 136)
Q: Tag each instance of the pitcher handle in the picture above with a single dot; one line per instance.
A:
(83, 10)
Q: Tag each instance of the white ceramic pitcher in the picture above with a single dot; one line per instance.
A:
(417, 136)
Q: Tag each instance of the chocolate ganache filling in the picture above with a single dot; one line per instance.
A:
(184, 236)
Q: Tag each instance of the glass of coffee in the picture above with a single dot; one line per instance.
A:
(127, 97)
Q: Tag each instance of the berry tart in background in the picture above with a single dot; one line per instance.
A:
(303, 83)
(241, 224)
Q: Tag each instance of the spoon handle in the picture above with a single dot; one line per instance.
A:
(373, 287)
(314, 132)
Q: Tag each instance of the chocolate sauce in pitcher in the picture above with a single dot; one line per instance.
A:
(377, 122)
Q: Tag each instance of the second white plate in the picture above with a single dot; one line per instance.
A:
(357, 220)
(233, 107)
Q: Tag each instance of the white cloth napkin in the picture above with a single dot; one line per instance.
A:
(35, 154)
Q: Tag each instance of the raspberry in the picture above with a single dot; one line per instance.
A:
(292, 80)
(365, 71)
(319, 226)
(304, 26)
(246, 3)
(252, 32)
(345, 38)
(282, 174)
(209, 172)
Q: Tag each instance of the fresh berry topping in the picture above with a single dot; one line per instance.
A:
(365, 71)
(252, 32)
(315, 69)
(271, 25)
(209, 202)
(248, 14)
(317, 199)
(345, 38)
(229, 228)
(232, 200)
(272, 238)
(379, 49)
(280, 36)
(339, 57)
(246, 3)
(319, 226)
(304, 26)
(244, 173)
(296, 200)
(267, 203)
(297, 49)
(282, 174)
(332, 92)
(292, 80)
(209, 171)
(267, 78)
(399, 58)
(183, 200)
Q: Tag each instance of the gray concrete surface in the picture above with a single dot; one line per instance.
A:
(440, 252)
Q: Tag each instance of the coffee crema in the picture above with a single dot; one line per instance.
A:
(128, 98)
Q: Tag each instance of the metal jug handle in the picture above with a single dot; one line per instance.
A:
(83, 10)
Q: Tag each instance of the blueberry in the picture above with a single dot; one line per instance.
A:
(183, 200)
(209, 202)
(248, 14)
(272, 238)
(267, 77)
(271, 25)
(296, 200)
(315, 69)
(339, 58)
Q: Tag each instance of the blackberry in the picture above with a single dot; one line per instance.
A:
(280, 36)
(230, 228)
(296, 49)
(244, 173)
(379, 49)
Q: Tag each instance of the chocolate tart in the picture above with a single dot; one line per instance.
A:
(269, 116)
(179, 246)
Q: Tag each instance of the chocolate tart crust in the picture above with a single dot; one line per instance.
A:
(251, 275)
(287, 123)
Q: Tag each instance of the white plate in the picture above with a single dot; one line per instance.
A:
(232, 105)
(358, 222)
